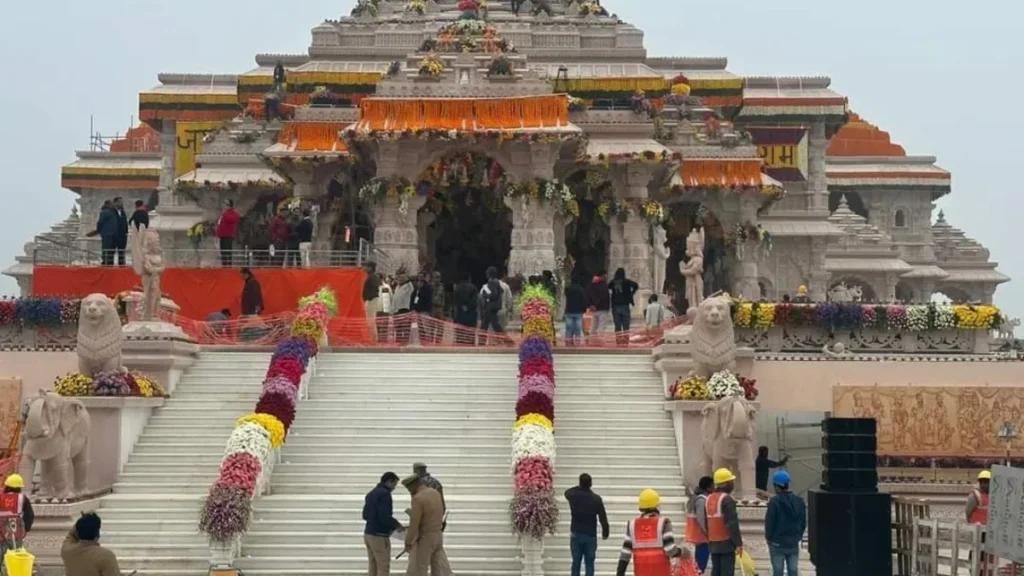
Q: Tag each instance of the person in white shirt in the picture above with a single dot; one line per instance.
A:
(656, 313)
(402, 303)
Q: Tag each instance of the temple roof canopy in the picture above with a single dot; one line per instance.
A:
(917, 172)
(112, 171)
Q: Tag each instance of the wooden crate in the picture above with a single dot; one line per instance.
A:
(904, 512)
(945, 548)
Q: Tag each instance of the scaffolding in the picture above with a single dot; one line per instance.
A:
(806, 456)
(101, 143)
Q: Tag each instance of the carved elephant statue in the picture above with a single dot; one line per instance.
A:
(727, 441)
(57, 436)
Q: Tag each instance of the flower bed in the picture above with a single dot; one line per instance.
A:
(39, 312)
(721, 385)
(252, 447)
(852, 315)
(113, 383)
(533, 511)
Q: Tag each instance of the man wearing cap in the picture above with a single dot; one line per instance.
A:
(420, 470)
(723, 525)
(977, 506)
(16, 514)
(784, 526)
(649, 540)
(424, 539)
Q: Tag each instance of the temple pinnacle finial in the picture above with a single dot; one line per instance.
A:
(942, 217)
(842, 201)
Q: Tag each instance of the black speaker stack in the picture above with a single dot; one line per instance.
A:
(849, 521)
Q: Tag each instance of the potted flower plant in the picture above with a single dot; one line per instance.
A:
(431, 67)
(500, 66)
(470, 9)
(416, 6)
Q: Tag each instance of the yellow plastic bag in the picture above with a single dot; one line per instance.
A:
(19, 562)
(746, 564)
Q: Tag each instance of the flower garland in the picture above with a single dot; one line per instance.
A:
(724, 384)
(39, 312)
(251, 449)
(651, 211)
(690, 388)
(851, 315)
(533, 511)
(553, 191)
(431, 66)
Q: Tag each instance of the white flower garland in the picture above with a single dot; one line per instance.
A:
(533, 440)
(917, 318)
(724, 384)
(250, 438)
(945, 317)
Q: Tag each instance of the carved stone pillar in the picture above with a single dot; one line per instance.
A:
(630, 238)
(744, 274)
(168, 167)
(533, 237)
(890, 288)
(396, 236)
(817, 182)
(307, 184)
(818, 281)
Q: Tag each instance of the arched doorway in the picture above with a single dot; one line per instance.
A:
(682, 217)
(353, 222)
(588, 236)
(466, 224)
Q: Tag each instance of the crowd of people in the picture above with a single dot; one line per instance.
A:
(288, 243)
(112, 227)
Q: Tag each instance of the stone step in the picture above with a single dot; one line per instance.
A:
(393, 450)
(356, 442)
(477, 428)
(428, 422)
(298, 563)
(386, 399)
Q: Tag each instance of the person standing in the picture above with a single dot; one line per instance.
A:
(491, 297)
(139, 218)
(724, 536)
(106, 228)
(575, 308)
(762, 465)
(424, 540)
(403, 308)
(252, 294)
(227, 230)
(371, 298)
(291, 253)
(464, 309)
(378, 513)
(279, 236)
(428, 480)
(977, 512)
(587, 509)
(599, 300)
(81, 552)
(304, 231)
(784, 526)
(649, 541)
(438, 310)
(623, 292)
(697, 522)
(16, 514)
(423, 306)
(121, 239)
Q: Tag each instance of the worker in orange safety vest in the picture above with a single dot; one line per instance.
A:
(977, 511)
(697, 522)
(649, 540)
(723, 525)
(16, 515)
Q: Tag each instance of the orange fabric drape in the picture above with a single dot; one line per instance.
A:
(547, 111)
(313, 136)
(201, 291)
(727, 173)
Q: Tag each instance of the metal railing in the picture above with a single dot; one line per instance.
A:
(87, 252)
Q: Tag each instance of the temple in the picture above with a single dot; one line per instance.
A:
(541, 141)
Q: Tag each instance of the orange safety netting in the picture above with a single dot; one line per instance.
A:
(398, 331)
(549, 111)
(313, 136)
(724, 173)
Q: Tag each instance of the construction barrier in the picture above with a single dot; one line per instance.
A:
(946, 547)
(905, 511)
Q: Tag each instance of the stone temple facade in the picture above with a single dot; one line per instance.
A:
(392, 113)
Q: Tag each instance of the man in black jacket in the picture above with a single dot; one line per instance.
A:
(464, 308)
(623, 291)
(378, 512)
(252, 295)
(423, 305)
(140, 218)
(587, 509)
(121, 239)
(106, 228)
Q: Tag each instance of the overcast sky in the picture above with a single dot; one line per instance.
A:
(943, 77)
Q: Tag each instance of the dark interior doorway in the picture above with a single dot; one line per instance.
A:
(471, 231)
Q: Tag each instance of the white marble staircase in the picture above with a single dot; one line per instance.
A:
(150, 520)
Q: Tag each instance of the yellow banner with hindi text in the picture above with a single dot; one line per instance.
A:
(189, 143)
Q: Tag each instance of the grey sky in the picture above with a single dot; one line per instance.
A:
(942, 77)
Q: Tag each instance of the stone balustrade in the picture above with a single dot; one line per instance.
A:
(877, 340)
(19, 337)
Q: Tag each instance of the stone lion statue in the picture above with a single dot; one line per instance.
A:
(57, 436)
(99, 336)
(727, 441)
(712, 336)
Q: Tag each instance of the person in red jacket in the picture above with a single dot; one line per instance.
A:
(227, 230)
(279, 232)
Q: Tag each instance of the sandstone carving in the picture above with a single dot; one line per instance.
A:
(57, 437)
(727, 441)
(99, 336)
(148, 262)
(712, 336)
(693, 269)
(661, 253)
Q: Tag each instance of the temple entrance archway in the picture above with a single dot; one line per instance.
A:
(465, 226)
(683, 217)
(588, 235)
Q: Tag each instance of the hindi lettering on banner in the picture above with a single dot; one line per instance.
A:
(1005, 531)
(776, 157)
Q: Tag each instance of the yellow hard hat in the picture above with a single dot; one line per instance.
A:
(984, 475)
(723, 475)
(14, 481)
(648, 499)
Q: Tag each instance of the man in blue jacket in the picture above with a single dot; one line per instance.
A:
(378, 511)
(784, 526)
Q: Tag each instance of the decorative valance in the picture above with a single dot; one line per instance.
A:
(721, 173)
(458, 114)
(313, 137)
(188, 106)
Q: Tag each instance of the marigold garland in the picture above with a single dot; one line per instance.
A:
(533, 420)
